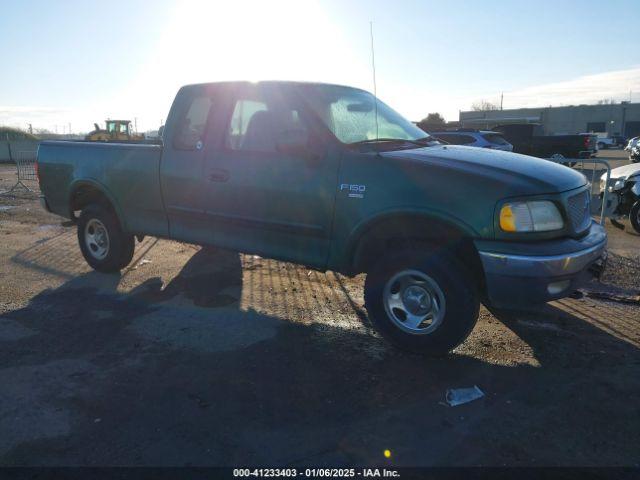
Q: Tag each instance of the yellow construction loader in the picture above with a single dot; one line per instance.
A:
(116, 131)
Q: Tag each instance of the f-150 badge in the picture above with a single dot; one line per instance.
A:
(354, 191)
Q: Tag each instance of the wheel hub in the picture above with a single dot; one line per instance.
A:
(414, 302)
(96, 238)
(416, 299)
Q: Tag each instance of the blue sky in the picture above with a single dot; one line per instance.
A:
(80, 61)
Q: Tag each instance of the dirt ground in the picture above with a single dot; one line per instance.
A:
(206, 357)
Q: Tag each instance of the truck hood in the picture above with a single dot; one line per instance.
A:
(623, 173)
(524, 175)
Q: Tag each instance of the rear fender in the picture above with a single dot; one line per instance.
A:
(77, 185)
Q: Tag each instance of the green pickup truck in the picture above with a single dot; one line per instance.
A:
(330, 177)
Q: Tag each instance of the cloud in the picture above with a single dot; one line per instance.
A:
(586, 89)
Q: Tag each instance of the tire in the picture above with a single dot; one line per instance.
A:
(95, 224)
(396, 281)
(634, 216)
(601, 146)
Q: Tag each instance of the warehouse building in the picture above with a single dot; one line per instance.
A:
(613, 119)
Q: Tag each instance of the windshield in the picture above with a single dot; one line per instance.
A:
(351, 115)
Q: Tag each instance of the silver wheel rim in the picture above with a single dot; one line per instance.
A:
(96, 238)
(414, 302)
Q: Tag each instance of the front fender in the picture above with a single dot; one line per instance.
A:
(413, 218)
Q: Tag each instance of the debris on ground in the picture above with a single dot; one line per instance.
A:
(460, 396)
(614, 297)
(144, 261)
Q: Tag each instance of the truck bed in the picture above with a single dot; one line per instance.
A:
(127, 172)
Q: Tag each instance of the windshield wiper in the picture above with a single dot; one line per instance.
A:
(427, 139)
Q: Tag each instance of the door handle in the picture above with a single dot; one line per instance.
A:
(218, 175)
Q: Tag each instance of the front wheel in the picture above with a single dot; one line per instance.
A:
(634, 216)
(104, 245)
(424, 303)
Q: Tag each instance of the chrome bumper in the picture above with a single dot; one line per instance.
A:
(541, 266)
(516, 279)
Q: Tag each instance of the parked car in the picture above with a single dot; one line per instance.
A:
(474, 138)
(529, 139)
(308, 173)
(619, 141)
(604, 141)
(623, 197)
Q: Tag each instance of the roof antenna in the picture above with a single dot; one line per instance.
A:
(373, 67)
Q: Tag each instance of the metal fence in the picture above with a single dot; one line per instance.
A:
(26, 166)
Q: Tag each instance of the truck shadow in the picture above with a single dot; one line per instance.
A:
(59, 255)
(212, 369)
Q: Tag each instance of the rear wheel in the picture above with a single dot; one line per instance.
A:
(421, 302)
(104, 245)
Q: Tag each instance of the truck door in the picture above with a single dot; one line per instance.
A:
(184, 188)
(272, 182)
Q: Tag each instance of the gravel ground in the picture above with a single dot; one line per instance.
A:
(198, 356)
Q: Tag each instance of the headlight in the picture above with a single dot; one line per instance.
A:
(534, 216)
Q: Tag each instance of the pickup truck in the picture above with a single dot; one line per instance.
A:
(529, 139)
(330, 177)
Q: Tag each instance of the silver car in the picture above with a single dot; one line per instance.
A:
(474, 138)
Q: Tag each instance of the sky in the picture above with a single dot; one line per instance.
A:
(71, 63)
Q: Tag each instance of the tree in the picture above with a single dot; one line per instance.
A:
(433, 119)
(483, 106)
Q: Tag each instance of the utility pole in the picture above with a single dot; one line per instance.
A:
(135, 124)
(31, 129)
(501, 99)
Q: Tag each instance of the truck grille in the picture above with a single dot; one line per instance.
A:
(579, 211)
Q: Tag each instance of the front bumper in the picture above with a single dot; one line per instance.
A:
(526, 277)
